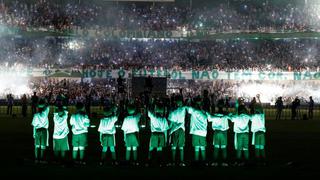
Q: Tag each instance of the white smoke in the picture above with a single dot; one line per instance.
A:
(14, 81)
(270, 90)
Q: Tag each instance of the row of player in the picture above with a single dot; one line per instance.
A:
(162, 128)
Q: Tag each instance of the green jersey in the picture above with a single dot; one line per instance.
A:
(61, 129)
(241, 123)
(158, 124)
(131, 124)
(79, 123)
(198, 123)
(107, 125)
(177, 119)
(219, 122)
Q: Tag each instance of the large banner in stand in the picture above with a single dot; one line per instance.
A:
(172, 74)
(202, 75)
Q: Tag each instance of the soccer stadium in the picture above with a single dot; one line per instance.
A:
(160, 88)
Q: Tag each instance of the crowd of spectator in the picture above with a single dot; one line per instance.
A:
(221, 17)
(73, 90)
(224, 55)
(285, 54)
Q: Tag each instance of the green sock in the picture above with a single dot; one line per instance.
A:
(263, 153)
(203, 155)
(113, 155)
(257, 153)
(103, 156)
(150, 155)
(74, 154)
(246, 154)
(56, 155)
(36, 153)
(215, 154)
(196, 155)
(135, 155)
(160, 158)
(174, 152)
(239, 154)
(81, 155)
(224, 154)
(128, 155)
(63, 155)
(181, 155)
(42, 154)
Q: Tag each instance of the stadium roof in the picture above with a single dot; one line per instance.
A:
(142, 0)
(195, 2)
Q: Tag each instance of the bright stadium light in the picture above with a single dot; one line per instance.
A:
(264, 90)
(14, 82)
(75, 45)
(184, 29)
(270, 91)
